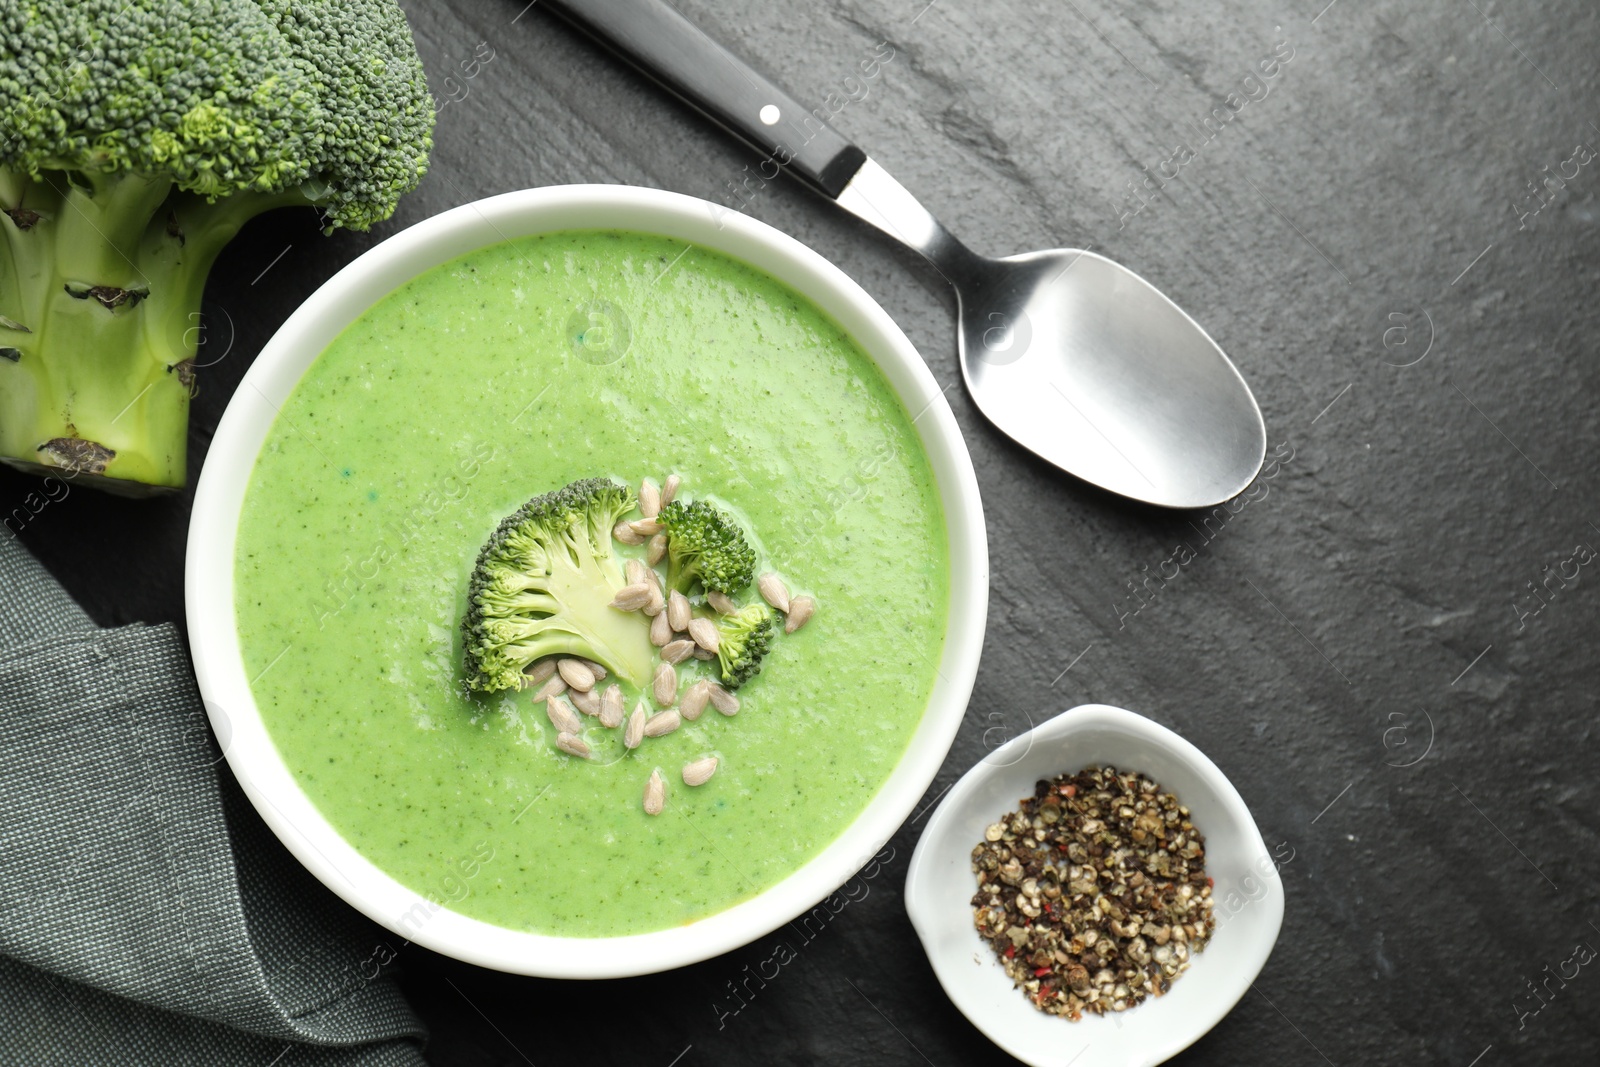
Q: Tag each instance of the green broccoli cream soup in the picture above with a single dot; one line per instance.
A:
(509, 373)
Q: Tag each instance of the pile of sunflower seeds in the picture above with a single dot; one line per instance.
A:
(676, 632)
(1094, 893)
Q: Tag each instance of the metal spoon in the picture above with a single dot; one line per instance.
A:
(1074, 357)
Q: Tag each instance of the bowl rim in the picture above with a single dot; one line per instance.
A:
(931, 918)
(243, 428)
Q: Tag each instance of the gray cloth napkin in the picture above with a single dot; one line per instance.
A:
(147, 915)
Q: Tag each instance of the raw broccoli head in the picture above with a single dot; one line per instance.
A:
(543, 585)
(705, 544)
(743, 640)
(136, 137)
(326, 98)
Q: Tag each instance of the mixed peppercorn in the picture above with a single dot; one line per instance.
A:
(1094, 893)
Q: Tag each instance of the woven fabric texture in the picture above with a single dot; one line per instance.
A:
(147, 915)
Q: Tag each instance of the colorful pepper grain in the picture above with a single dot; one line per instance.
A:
(1094, 893)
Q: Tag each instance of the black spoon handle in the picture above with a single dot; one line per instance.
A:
(678, 54)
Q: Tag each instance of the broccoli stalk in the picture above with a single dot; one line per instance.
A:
(111, 276)
(137, 138)
(543, 586)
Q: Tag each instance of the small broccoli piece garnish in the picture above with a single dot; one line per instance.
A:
(743, 640)
(136, 138)
(543, 586)
(704, 543)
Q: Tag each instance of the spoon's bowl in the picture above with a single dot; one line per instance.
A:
(1087, 364)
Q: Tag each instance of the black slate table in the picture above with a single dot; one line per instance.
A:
(1390, 648)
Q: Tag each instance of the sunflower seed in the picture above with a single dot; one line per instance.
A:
(576, 674)
(660, 630)
(677, 651)
(586, 701)
(611, 707)
(635, 730)
(723, 700)
(665, 685)
(662, 723)
(644, 528)
(635, 569)
(678, 610)
(801, 608)
(624, 532)
(669, 489)
(562, 717)
(700, 771)
(704, 632)
(703, 653)
(538, 672)
(773, 591)
(655, 794)
(632, 597)
(657, 549)
(720, 602)
(654, 605)
(694, 699)
(572, 745)
(649, 500)
(553, 686)
(595, 669)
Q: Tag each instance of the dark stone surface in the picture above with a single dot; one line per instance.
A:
(1381, 582)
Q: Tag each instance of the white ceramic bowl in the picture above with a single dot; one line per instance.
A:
(1248, 893)
(243, 429)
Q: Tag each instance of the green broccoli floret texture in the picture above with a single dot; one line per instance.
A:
(136, 137)
(543, 585)
(705, 544)
(743, 640)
